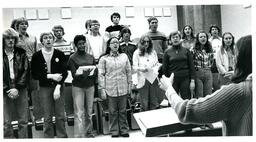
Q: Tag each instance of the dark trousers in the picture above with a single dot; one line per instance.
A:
(148, 96)
(181, 86)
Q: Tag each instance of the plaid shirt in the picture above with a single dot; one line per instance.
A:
(115, 74)
(202, 59)
(28, 43)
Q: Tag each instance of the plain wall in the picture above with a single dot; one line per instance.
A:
(76, 25)
(236, 19)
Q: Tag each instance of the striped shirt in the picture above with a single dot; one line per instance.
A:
(115, 74)
(202, 59)
(64, 46)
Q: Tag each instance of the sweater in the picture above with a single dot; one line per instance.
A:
(232, 104)
(39, 68)
(178, 60)
(83, 80)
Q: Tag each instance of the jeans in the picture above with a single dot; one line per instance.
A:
(52, 108)
(148, 96)
(117, 115)
(19, 107)
(204, 82)
(83, 107)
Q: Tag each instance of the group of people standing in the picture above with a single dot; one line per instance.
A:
(109, 66)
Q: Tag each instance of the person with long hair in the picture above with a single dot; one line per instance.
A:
(203, 58)
(231, 104)
(188, 38)
(15, 79)
(226, 58)
(144, 60)
(178, 60)
(83, 87)
(115, 80)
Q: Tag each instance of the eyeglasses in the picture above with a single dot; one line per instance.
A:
(145, 41)
(9, 37)
(95, 24)
(114, 42)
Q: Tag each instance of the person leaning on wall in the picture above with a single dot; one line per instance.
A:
(231, 104)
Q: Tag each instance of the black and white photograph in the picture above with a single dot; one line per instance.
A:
(127, 70)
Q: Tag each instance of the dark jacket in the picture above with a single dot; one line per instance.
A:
(20, 67)
(39, 68)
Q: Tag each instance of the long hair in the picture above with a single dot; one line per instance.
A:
(231, 46)
(244, 59)
(108, 47)
(141, 46)
(184, 36)
(10, 32)
(207, 46)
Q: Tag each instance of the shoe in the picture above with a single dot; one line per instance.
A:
(114, 136)
(90, 136)
(125, 135)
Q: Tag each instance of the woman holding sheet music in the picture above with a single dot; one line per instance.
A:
(144, 60)
(82, 66)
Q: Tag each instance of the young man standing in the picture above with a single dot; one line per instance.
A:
(216, 42)
(158, 38)
(48, 67)
(95, 41)
(126, 45)
(15, 78)
(114, 30)
(60, 43)
(66, 47)
(29, 44)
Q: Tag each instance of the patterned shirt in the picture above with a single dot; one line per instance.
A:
(202, 59)
(64, 46)
(28, 43)
(115, 74)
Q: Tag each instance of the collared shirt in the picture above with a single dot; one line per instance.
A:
(128, 49)
(202, 59)
(114, 74)
(225, 61)
(29, 43)
(64, 46)
(10, 59)
(216, 43)
(148, 61)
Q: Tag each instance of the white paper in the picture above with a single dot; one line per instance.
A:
(135, 79)
(86, 68)
(150, 75)
(69, 78)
